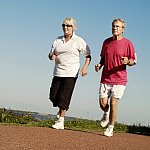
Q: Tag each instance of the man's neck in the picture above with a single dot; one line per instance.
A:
(117, 37)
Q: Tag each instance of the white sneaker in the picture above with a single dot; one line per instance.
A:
(104, 121)
(108, 132)
(58, 125)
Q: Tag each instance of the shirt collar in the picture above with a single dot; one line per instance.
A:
(73, 36)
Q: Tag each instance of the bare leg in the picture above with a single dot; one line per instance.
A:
(105, 107)
(62, 112)
(104, 104)
(112, 116)
(113, 110)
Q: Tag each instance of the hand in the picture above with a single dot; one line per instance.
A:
(83, 71)
(53, 57)
(97, 67)
(124, 60)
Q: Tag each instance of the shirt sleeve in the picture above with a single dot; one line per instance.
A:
(131, 52)
(83, 47)
(53, 47)
(135, 60)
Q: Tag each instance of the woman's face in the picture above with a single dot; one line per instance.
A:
(67, 28)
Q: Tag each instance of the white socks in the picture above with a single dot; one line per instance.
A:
(111, 127)
(61, 119)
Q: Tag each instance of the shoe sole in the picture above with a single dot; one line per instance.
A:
(61, 128)
(108, 135)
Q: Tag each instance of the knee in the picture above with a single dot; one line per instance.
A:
(113, 103)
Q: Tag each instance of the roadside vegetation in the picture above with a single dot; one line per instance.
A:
(7, 117)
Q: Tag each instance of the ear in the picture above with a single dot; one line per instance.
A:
(123, 30)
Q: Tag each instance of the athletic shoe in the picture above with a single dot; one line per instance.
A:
(104, 121)
(108, 132)
(58, 125)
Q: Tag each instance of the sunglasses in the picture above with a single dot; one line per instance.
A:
(67, 25)
(116, 26)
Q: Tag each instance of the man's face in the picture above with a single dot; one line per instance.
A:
(117, 28)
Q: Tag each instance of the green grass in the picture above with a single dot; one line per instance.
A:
(8, 118)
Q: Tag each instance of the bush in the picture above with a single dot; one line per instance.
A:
(83, 124)
(7, 116)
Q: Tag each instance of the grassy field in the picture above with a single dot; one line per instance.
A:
(8, 117)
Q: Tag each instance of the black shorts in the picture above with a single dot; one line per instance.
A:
(61, 91)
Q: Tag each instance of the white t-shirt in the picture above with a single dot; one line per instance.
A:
(67, 62)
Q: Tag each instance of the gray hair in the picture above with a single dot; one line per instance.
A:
(70, 21)
(121, 20)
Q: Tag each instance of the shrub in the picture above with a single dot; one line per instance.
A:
(7, 116)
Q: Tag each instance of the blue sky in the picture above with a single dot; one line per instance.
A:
(28, 28)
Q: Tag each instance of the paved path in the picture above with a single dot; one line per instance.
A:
(42, 138)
